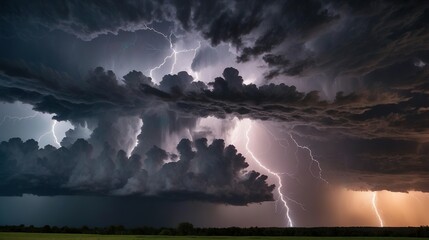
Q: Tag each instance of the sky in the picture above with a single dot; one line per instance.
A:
(225, 113)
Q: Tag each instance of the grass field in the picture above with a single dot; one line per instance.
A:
(52, 236)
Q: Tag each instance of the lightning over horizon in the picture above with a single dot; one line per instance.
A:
(277, 175)
(374, 206)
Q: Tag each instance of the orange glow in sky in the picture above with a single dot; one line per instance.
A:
(354, 208)
(344, 207)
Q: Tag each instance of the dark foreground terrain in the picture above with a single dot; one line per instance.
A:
(39, 236)
(187, 231)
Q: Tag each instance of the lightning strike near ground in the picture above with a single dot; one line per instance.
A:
(313, 160)
(277, 175)
(374, 206)
(290, 175)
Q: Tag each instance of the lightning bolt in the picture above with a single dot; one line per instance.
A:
(290, 175)
(277, 175)
(313, 160)
(52, 131)
(184, 51)
(279, 142)
(15, 118)
(374, 206)
(173, 54)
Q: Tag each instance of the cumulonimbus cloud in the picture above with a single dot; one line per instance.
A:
(351, 114)
(378, 59)
(176, 103)
(206, 172)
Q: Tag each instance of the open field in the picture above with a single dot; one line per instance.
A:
(39, 236)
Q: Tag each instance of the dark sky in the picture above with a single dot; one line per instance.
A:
(222, 113)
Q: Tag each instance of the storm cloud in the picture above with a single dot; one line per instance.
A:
(207, 172)
(401, 113)
(300, 36)
(395, 115)
(348, 79)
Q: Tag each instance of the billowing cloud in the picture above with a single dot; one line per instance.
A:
(368, 61)
(398, 114)
(173, 107)
(207, 172)
(310, 37)
(86, 20)
(89, 20)
(347, 79)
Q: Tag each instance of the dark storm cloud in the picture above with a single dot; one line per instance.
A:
(53, 92)
(234, 19)
(365, 114)
(203, 172)
(116, 131)
(397, 114)
(380, 49)
(290, 19)
(158, 126)
(341, 40)
(310, 37)
(74, 134)
(178, 106)
(86, 20)
(367, 164)
(361, 120)
(377, 42)
(281, 66)
(180, 83)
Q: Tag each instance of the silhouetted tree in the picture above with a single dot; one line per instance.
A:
(185, 228)
(166, 231)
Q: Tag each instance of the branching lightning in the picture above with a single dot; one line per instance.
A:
(277, 175)
(173, 54)
(374, 206)
(52, 131)
(183, 51)
(313, 160)
(290, 175)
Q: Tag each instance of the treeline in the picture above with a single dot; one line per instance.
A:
(189, 229)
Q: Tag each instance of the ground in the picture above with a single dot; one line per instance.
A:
(37, 236)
